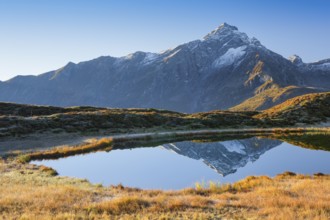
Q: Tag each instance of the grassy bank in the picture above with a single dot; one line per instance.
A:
(312, 140)
(103, 144)
(32, 192)
(152, 139)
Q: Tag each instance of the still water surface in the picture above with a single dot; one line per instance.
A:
(182, 164)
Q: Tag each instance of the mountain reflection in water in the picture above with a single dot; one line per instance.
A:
(224, 157)
(179, 165)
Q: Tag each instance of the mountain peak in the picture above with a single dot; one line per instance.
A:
(226, 26)
(223, 29)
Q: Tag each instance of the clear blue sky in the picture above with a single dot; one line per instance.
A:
(41, 35)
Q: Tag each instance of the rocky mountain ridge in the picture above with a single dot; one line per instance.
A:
(226, 69)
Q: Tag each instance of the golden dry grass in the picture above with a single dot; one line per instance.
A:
(31, 192)
(268, 92)
(66, 151)
(310, 106)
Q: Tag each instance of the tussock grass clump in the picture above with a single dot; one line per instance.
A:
(212, 187)
(122, 205)
(243, 185)
(23, 158)
(288, 173)
(48, 170)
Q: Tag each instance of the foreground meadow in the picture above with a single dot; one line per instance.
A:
(35, 192)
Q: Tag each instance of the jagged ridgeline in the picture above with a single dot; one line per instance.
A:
(226, 69)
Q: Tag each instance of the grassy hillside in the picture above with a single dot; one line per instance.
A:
(19, 120)
(16, 120)
(270, 94)
(311, 108)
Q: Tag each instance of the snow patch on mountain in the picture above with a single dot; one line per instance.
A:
(129, 56)
(323, 66)
(150, 58)
(295, 59)
(231, 56)
(234, 146)
(172, 55)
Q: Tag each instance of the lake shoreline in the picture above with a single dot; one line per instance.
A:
(213, 201)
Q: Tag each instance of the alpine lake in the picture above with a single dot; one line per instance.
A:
(178, 164)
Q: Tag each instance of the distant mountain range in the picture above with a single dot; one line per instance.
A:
(224, 157)
(224, 70)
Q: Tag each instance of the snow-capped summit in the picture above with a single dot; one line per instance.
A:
(230, 36)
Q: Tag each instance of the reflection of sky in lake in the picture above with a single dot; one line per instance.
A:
(158, 168)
